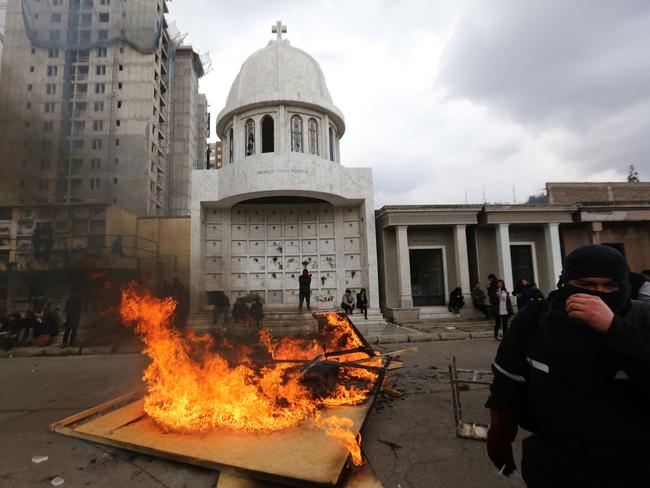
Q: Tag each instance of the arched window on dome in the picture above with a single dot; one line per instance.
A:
(249, 133)
(231, 145)
(296, 134)
(331, 138)
(268, 134)
(312, 129)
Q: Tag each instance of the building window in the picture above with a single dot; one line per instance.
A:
(94, 183)
(53, 52)
(102, 52)
(268, 134)
(231, 146)
(331, 138)
(97, 144)
(56, 18)
(100, 88)
(249, 133)
(50, 89)
(49, 108)
(95, 164)
(102, 35)
(296, 134)
(43, 185)
(312, 127)
(100, 69)
(98, 125)
(103, 17)
(52, 70)
(99, 106)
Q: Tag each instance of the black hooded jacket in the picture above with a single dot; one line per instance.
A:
(585, 396)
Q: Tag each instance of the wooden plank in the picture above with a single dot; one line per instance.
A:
(363, 477)
(104, 425)
(101, 408)
(304, 455)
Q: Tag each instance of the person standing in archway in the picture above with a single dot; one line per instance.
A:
(304, 292)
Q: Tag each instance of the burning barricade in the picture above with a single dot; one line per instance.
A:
(280, 409)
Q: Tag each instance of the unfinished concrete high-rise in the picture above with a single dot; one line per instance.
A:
(86, 104)
(189, 128)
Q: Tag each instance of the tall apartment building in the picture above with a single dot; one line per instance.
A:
(86, 104)
(189, 128)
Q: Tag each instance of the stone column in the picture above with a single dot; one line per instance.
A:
(553, 252)
(504, 261)
(461, 258)
(405, 297)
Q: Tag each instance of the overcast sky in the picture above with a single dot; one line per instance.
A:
(449, 101)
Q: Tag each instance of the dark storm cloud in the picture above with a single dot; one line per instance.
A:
(552, 60)
(580, 65)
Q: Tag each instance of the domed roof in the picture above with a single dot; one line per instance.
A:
(279, 73)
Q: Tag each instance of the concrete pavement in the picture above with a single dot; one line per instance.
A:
(35, 392)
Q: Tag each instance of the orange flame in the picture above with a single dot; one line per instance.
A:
(191, 388)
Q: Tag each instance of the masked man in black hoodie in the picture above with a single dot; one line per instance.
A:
(574, 370)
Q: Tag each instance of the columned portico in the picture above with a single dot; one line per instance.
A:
(504, 260)
(403, 267)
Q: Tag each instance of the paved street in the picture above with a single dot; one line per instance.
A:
(38, 391)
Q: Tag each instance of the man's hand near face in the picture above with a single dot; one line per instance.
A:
(591, 310)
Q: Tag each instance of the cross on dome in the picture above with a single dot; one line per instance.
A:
(279, 29)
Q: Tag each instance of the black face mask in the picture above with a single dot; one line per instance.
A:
(617, 301)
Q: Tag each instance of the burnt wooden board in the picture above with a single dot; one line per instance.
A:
(301, 456)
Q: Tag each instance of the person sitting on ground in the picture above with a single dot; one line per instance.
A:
(239, 310)
(6, 339)
(640, 287)
(42, 337)
(26, 332)
(348, 302)
(456, 301)
(256, 313)
(478, 300)
(362, 302)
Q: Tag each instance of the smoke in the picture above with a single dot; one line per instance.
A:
(27, 145)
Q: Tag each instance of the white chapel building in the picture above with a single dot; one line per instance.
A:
(283, 200)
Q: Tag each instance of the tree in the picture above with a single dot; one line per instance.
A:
(632, 175)
(541, 197)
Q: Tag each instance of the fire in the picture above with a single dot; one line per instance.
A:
(273, 385)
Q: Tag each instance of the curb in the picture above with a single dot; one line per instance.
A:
(104, 350)
(431, 337)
